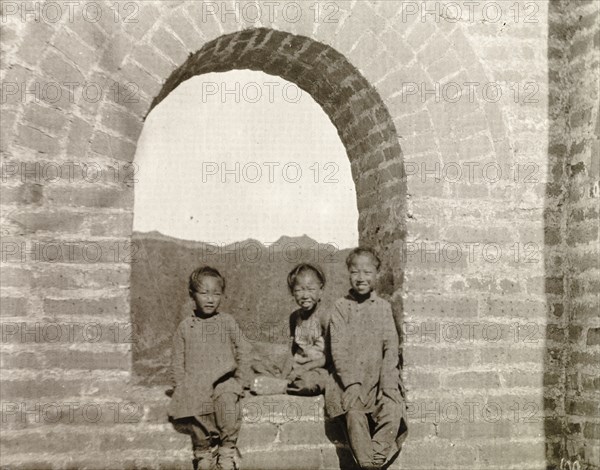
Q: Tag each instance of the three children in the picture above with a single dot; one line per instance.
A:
(351, 355)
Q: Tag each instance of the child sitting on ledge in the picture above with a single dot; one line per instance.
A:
(305, 370)
(365, 386)
(210, 372)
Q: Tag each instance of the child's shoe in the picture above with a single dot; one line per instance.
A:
(205, 459)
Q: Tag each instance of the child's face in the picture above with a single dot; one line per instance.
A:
(363, 274)
(208, 295)
(307, 290)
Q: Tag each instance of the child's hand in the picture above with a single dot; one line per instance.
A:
(298, 359)
(296, 371)
(287, 366)
(351, 394)
(291, 376)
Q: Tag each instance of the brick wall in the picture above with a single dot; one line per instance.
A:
(572, 236)
(465, 262)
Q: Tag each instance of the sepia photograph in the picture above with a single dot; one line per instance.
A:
(299, 235)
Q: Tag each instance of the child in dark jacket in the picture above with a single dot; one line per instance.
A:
(366, 387)
(210, 370)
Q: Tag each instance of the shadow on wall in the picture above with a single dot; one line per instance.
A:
(571, 239)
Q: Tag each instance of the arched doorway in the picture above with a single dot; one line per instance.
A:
(354, 107)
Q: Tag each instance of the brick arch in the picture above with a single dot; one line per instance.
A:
(354, 106)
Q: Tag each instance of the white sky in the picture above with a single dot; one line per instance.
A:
(245, 122)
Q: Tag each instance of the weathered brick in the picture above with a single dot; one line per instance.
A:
(170, 46)
(585, 358)
(121, 122)
(21, 360)
(283, 458)
(142, 20)
(23, 194)
(593, 337)
(149, 58)
(113, 225)
(15, 276)
(439, 453)
(23, 389)
(583, 311)
(31, 222)
(441, 307)
(77, 51)
(69, 277)
(55, 66)
(583, 407)
(112, 147)
(591, 430)
(464, 429)
(466, 380)
(520, 379)
(51, 119)
(15, 85)
(583, 234)
(116, 306)
(257, 435)
(79, 137)
(90, 196)
(120, 46)
(422, 380)
(143, 81)
(74, 359)
(302, 433)
(510, 453)
(207, 23)
(512, 354)
(509, 308)
(37, 140)
(93, 35)
(36, 37)
(184, 29)
(13, 306)
(417, 355)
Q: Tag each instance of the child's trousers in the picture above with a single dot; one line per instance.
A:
(372, 450)
(221, 427)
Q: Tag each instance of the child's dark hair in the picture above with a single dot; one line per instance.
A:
(204, 271)
(303, 268)
(363, 252)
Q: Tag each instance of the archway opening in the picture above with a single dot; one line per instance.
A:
(370, 143)
(242, 171)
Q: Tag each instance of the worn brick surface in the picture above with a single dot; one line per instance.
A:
(574, 146)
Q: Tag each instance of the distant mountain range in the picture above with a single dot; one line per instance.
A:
(256, 294)
(304, 242)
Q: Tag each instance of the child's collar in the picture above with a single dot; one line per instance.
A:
(204, 316)
(372, 296)
(305, 314)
